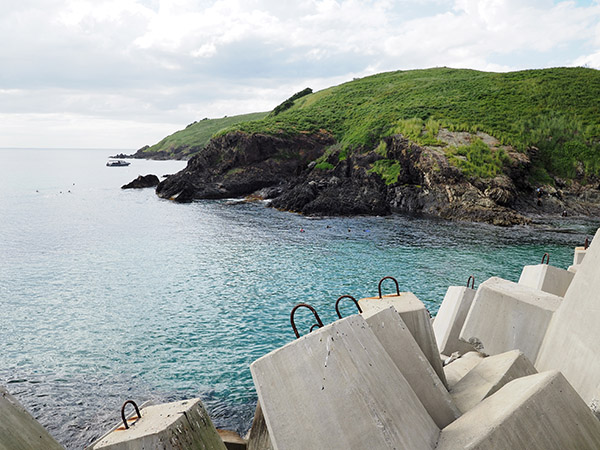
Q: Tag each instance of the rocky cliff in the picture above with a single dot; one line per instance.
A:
(306, 174)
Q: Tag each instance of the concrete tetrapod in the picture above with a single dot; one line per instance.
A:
(488, 376)
(546, 278)
(571, 342)
(450, 319)
(337, 388)
(457, 369)
(507, 316)
(398, 341)
(169, 426)
(537, 412)
(418, 320)
(19, 430)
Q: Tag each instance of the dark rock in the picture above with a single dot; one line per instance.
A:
(143, 181)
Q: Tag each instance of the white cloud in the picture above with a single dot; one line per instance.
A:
(149, 64)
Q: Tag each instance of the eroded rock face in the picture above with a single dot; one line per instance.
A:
(239, 164)
(143, 181)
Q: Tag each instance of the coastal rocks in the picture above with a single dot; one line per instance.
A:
(142, 181)
(238, 164)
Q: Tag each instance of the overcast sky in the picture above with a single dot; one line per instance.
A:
(125, 73)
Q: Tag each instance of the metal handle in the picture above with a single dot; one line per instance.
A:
(316, 325)
(586, 244)
(389, 278)
(546, 258)
(337, 304)
(304, 305)
(137, 411)
(472, 281)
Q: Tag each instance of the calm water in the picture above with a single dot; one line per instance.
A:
(108, 295)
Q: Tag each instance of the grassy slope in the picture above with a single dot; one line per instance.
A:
(199, 133)
(556, 110)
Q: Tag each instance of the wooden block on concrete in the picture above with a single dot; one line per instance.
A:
(457, 369)
(488, 376)
(400, 344)
(571, 344)
(418, 320)
(537, 412)
(337, 388)
(19, 430)
(507, 316)
(169, 426)
(450, 319)
(546, 278)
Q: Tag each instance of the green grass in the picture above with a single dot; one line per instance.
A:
(477, 159)
(197, 134)
(387, 169)
(519, 108)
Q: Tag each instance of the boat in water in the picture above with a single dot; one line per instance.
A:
(117, 163)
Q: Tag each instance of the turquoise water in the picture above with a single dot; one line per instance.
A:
(109, 294)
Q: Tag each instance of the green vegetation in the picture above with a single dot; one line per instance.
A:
(387, 169)
(287, 104)
(521, 109)
(477, 159)
(197, 134)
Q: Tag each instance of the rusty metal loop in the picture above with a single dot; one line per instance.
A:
(337, 304)
(316, 325)
(137, 411)
(546, 258)
(472, 281)
(389, 278)
(586, 244)
(304, 305)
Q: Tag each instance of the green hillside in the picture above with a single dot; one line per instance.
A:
(196, 135)
(552, 113)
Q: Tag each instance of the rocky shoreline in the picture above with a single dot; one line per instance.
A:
(305, 174)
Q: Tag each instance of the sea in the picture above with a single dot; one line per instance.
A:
(108, 295)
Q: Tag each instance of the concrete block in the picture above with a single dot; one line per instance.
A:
(537, 412)
(337, 388)
(578, 255)
(169, 426)
(418, 320)
(450, 319)
(488, 376)
(573, 268)
(258, 436)
(399, 343)
(571, 342)
(232, 440)
(19, 430)
(507, 316)
(546, 278)
(458, 368)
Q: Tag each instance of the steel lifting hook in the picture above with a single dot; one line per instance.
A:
(304, 305)
(389, 278)
(546, 258)
(137, 411)
(471, 281)
(337, 304)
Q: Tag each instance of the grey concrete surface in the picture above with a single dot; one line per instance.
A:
(337, 388)
(488, 376)
(507, 316)
(19, 430)
(544, 277)
(450, 319)
(418, 320)
(399, 343)
(537, 412)
(457, 369)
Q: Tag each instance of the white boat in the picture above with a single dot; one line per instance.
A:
(117, 163)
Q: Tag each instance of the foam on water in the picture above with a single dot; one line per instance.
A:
(108, 294)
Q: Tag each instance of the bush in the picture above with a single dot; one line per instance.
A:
(477, 159)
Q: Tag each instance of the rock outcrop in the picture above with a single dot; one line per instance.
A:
(142, 181)
(306, 174)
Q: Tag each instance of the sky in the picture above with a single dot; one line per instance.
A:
(121, 74)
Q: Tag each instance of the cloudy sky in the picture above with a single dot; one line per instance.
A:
(124, 73)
